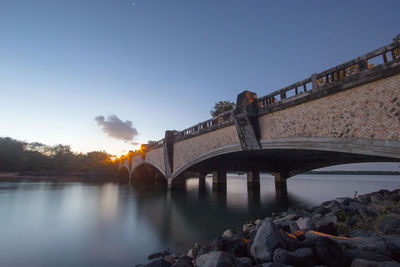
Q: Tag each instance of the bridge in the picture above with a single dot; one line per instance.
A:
(347, 114)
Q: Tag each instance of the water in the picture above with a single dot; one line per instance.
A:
(106, 224)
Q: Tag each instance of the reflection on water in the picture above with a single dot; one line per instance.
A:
(81, 224)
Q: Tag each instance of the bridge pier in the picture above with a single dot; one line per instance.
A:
(219, 180)
(281, 186)
(178, 183)
(202, 182)
(253, 181)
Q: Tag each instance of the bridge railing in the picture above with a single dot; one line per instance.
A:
(217, 122)
(328, 77)
(299, 89)
(156, 144)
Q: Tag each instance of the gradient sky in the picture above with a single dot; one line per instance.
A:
(163, 64)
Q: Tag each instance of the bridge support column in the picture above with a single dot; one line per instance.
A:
(281, 186)
(253, 181)
(202, 182)
(219, 180)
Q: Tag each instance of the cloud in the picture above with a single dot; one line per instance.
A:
(116, 128)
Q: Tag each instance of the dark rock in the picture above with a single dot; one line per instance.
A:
(158, 263)
(393, 246)
(365, 254)
(321, 210)
(246, 261)
(392, 197)
(390, 224)
(300, 257)
(362, 233)
(217, 258)
(267, 239)
(158, 255)
(274, 264)
(184, 261)
(364, 199)
(330, 253)
(367, 263)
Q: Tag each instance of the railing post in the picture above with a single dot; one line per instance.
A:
(314, 81)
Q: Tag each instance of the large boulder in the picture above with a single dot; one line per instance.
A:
(367, 263)
(300, 257)
(218, 258)
(158, 263)
(330, 253)
(266, 240)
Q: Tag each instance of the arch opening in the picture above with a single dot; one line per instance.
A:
(146, 175)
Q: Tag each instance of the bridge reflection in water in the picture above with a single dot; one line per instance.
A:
(347, 114)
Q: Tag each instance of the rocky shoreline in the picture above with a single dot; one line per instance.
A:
(357, 232)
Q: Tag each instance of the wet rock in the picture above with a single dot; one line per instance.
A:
(304, 224)
(227, 234)
(299, 257)
(286, 218)
(217, 258)
(330, 253)
(367, 263)
(266, 240)
(184, 261)
(158, 263)
(325, 224)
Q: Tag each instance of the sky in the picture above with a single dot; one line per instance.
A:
(69, 70)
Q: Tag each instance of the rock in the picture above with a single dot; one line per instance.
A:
(393, 245)
(157, 255)
(343, 200)
(170, 259)
(184, 261)
(362, 233)
(217, 258)
(267, 239)
(293, 227)
(190, 253)
(158, 263)
(330, 253)
(321, 210)
(354, 253)
(248, 227)
(257, 222)
(274, 264)
(390, 224)
(367, 263)
(299, 257)
(288, 217)
(227, 234)
(304, 224)
(246, 261)
(325, 224)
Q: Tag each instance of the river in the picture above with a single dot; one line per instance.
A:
(106, 224)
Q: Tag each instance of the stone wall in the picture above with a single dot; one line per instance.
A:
(156, 157)
(189, 149)
(370, 111)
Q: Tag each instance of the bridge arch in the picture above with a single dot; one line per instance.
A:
(148, 173)
(297, 155)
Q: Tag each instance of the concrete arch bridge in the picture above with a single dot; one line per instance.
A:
(347, 114)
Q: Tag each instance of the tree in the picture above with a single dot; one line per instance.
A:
(221, 107)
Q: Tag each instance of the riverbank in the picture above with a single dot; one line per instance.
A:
(55, 176)
(360, 231)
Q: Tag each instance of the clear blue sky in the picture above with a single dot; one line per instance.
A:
(163, 64)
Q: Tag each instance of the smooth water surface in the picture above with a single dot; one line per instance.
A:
(106, 224)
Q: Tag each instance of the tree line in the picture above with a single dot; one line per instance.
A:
(19, 156)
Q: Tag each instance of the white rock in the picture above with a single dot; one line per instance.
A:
(304, 223)
(227, 234)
